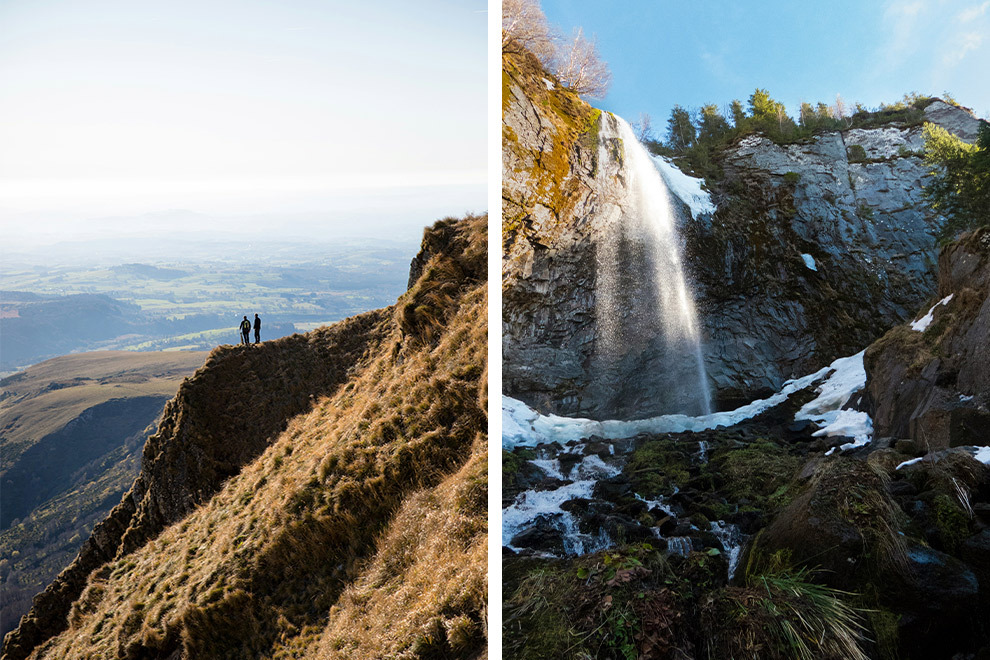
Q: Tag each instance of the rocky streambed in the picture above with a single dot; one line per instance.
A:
(685, 544)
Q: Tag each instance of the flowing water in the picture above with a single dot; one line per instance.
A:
(732, 540)
(644, 307)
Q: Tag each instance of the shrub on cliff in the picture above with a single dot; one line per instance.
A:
(959, 188)
(573, 60)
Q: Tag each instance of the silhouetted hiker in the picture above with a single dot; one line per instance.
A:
(245, 331)
(257, 329)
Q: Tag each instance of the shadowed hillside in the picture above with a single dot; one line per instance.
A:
(321, 495)
(71, 431)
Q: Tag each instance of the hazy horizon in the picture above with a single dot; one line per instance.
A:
(241, 112)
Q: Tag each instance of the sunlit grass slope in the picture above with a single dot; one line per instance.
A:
(358, 532)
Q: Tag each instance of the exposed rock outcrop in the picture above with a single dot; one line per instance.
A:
(566, 194)
(816, 248)
(554, 189)
(929, 381)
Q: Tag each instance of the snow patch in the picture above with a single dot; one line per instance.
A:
(922, 324)
(687, 188)
(809, 261)
(850, 424)
(847, 376)
(548, 83)
(524, 427)
(911, 462)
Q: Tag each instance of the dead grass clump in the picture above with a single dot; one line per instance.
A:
(784, 616)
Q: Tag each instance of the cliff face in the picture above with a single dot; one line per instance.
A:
(815, 250)
(554, 187)
(928, 381)
(278, 475)
(565, 191)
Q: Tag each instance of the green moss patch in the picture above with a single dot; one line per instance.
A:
(659, 466)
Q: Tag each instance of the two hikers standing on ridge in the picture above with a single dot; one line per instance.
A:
(246, 330)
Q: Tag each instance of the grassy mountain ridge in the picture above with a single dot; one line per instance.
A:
(356, 474)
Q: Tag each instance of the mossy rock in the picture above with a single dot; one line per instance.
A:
(844, 524)
(760, 474)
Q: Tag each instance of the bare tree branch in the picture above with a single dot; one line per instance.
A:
(574, 61)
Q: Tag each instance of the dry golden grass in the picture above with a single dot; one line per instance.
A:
(426, 610)
(368, 513)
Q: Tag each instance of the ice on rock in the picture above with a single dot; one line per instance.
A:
(524, 427)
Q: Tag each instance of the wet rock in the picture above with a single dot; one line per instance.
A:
(938, 601)
(902, 488)
(750, 522)
(541, 537)
(567, 463)
(684, 499)
(578, 505)
(623, 529)
(975, 551)
(612, 489)
(666, 525)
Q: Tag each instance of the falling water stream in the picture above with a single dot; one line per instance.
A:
(643, 238)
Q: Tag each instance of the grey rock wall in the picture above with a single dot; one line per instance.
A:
(853, 201)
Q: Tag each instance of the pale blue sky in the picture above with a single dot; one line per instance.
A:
(663, 52)
(123, 106)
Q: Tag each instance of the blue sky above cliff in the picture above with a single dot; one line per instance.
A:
(115, 106)
(693, 53)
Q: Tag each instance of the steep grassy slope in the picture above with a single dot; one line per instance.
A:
(323, 495)
(71, 431)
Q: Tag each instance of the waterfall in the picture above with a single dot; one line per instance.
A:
(648, 328)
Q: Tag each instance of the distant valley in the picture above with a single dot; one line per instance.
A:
(194, 302)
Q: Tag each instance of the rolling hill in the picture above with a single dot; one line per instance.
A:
(71, 431)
